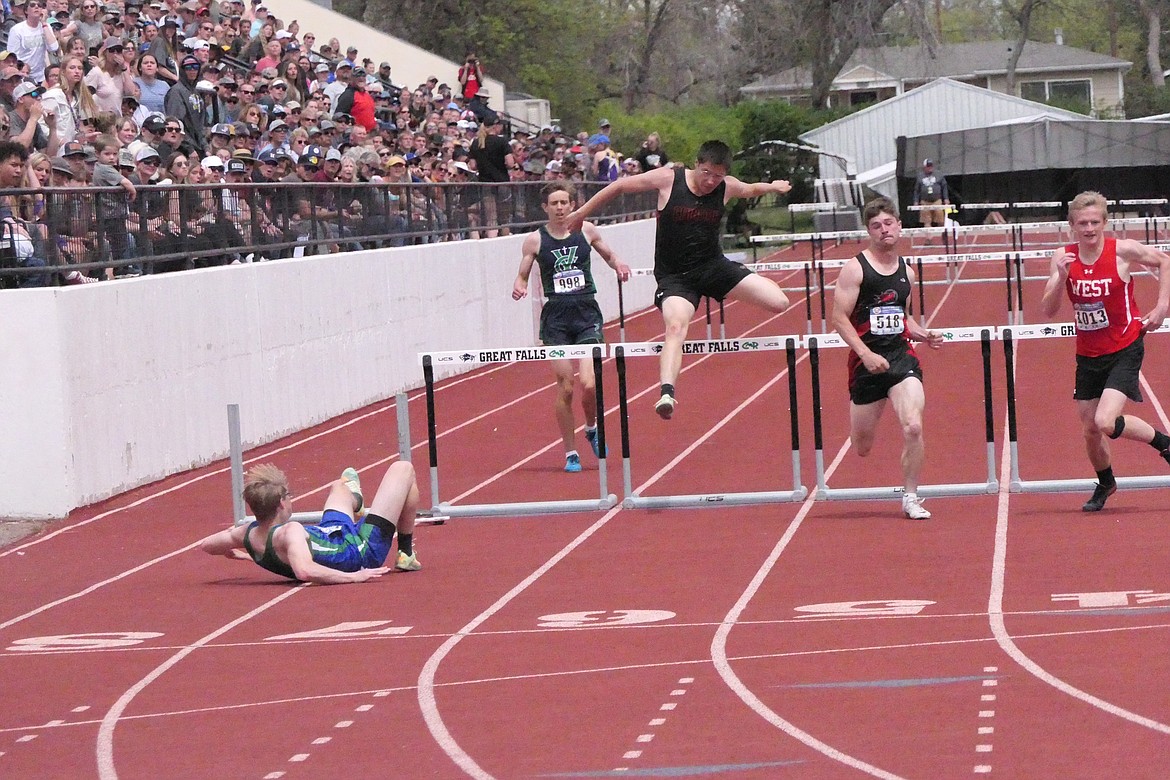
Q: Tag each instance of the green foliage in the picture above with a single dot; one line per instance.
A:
(1143, 99)
(682, 129)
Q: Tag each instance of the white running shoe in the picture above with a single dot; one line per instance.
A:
(912, 507)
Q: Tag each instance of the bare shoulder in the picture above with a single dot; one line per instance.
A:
(531, 243)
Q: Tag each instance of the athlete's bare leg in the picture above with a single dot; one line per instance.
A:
(588, 391)
(563, 408)
(909, 400)
(397, 497)
(760, 291)
(676, 319)
(340, 498)
(863, 420)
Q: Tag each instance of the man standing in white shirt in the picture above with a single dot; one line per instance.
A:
(29, 40)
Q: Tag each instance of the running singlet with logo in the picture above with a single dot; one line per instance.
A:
(879, 316)
(565, 265)
(688, 229)
(1104, 310)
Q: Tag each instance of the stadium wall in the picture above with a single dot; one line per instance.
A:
(114, 385)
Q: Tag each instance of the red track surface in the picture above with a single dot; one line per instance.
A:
(984, 660)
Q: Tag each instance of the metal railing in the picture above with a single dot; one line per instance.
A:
(97, 231)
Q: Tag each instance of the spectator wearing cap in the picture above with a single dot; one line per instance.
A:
(278, 132)
(33, 39)
(356, 102)
(322, 75)
(186, 103)
(111, 79)
(215, 110)
(220, 137)
(341, 79)
(152, 90)
(10, 76)
(146, 162)
(25, 120)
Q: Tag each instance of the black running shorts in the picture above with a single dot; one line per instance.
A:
(714, 280)
(570, 320)
(1116, 371)
(867, 388)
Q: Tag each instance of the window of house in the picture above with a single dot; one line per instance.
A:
(1074, 94)
(863, 96)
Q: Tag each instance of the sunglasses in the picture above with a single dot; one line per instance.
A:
(174, 129)
(151, 163)
(248, 91)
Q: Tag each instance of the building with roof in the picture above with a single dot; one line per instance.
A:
(867, 139)
(1045, 72)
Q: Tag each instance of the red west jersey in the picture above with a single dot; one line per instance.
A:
(1104, 310)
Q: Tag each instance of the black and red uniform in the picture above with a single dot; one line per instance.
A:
(688, 256)
(879, 317)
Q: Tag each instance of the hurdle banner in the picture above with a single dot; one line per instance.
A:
(236, 459)
(606, 500)
(984, 336)
(1009, 335)
(633, 500)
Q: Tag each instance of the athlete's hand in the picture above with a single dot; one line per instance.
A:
(574, 221)
(623, 271)
(361, 575)
(934, 339)
(782, 186)
(1153, 318)
(1060, 263)
(519, 289)
(875, 363)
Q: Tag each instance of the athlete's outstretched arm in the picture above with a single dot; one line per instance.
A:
(225, 542)
(739, 189)
(292, 540)
(660, 179)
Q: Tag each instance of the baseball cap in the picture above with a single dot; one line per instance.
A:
(279, 124)
(125, 159)
(333, 154)
(267, 157)
(190, 62)
(461, 166)
(344, 64)
(282, 34)
(395, 160)
(61, 165)
(146, 153)
(927, 162)
(155, 123)
(223, 129)
(213, 161)
(384, 65)
(26, 88)
(603, 123)
(322, 68)
(311, 156)
(112, 43)
(236, 166)
(204, 86)
(278, 83)
(598, 138)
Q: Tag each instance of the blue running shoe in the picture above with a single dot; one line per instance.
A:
(591, 437)
(573, 463)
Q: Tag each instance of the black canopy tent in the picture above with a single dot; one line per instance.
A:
(1042, 160)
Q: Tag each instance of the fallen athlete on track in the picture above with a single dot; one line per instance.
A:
(337, 550)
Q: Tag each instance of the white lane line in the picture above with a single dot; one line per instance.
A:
(996, 614)
(105, 739)
(428, 702)
(719, 642)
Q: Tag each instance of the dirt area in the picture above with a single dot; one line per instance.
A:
(12, 531)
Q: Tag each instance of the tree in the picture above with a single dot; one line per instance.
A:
(1021, 13)
(1152, 10)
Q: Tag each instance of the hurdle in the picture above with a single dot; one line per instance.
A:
(952, 335)
(1009, 335)
(511, 355)
(236, 461)
(633, 500)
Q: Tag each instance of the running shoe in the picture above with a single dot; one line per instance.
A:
(912, 507)
(1165, 455)
(573, 463)
(665, 406)
(1100, 494)
(350, 477)
(591, 437)
(407, 562)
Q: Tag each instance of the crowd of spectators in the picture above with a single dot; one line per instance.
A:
(145, 99)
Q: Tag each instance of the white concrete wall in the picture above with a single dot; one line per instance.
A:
(109, 386)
